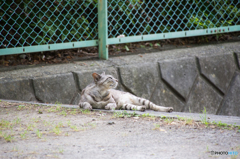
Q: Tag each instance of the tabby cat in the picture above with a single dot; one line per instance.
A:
(102, 95)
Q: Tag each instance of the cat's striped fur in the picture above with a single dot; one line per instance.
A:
(102, 95)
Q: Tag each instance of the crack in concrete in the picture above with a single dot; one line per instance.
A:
(34, 91)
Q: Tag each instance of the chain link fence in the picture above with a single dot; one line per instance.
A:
(29, 22)
(138, 17)
(34, 25)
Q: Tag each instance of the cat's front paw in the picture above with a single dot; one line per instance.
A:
(85, 105)
(111, 106)
(170, 109)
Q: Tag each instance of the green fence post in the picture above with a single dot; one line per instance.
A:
(102, 29)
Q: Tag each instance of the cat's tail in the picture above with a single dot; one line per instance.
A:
(151, 105)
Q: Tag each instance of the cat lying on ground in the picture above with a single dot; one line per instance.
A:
(102, 95)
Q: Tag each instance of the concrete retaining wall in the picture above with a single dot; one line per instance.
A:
(186, 83)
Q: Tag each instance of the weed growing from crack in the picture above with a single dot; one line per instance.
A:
(90, 124)
(145, 115)
(74, 127)
(21, 107)
(29, 127)
(57, 130)
(207, 149)
(74, 112)
(4, 124)
(39, 134)
(168, 120)
(85, 111)
(60, 124)
(36, 120)
(17, 121)
(46, 123)
(58, 108)
(58, 103)
(68, 122)
(8, 137)
(203, 117)
(225, 125)
(157, 126)
(124, 113)
(54, 109)
(61, 151)
(188, 121)
(23, 135)
(15, 149)
(220, 124)
(40, 111)
(66, 134)
(118, 115)
(64, 113)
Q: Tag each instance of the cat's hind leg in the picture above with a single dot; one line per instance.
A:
(133, 107)
(151, 105)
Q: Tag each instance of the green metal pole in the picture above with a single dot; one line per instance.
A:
(102, 29)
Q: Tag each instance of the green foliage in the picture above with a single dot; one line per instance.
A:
(38, 22)
(21, 107)
(216, 14)
(225, 125)
(124, 113)
(168, 120)
(85, 111)
(146, 115)
(57, 130)
(38, 133)
(203, 117)
(23, 135)
(143, 17)
(49, 21)
(8, 137)
(64, 113)
(74, 127)
(157, 126)
(4, 124)
(163, 117)
(73, 112)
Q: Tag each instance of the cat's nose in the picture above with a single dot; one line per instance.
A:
(116, 80)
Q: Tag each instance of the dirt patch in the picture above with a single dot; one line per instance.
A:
(33, 131)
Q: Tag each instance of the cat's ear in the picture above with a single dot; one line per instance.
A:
(103, 74)
(96, 77)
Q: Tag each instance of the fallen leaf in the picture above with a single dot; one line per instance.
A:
(162, 130)
(126, 47)
(174, 123)
(212, 126)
